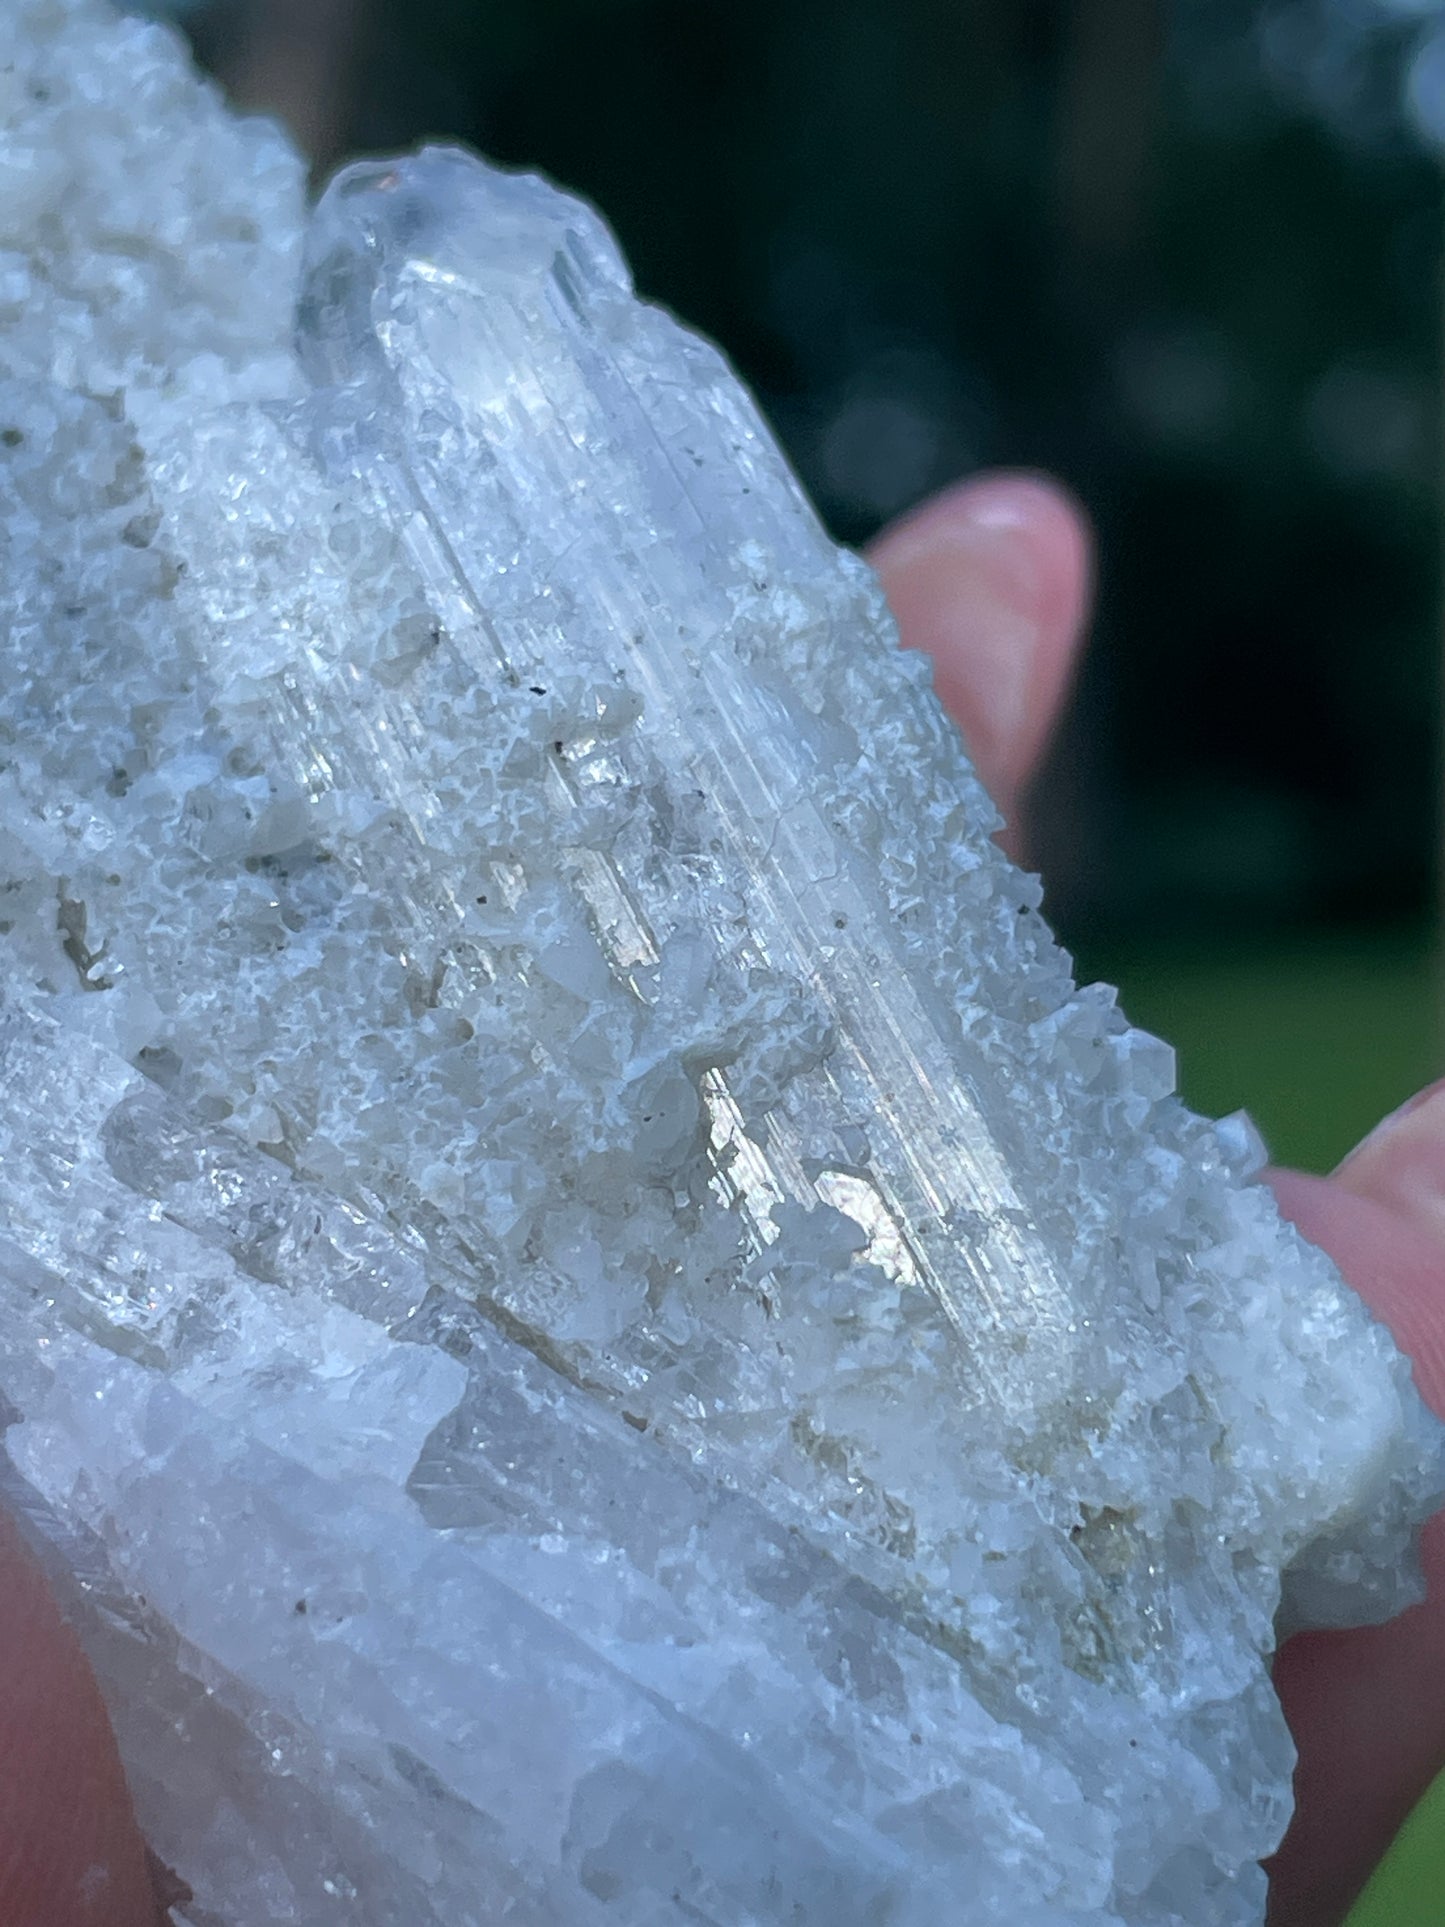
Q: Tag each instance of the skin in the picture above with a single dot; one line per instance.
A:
(992, 579)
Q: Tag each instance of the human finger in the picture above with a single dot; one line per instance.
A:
(992, 578)
(70, 1853)
(1367, 1707)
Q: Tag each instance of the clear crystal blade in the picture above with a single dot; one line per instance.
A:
(431, 284)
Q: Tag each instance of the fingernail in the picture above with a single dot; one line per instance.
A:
(966, 584)
(1402, 1161)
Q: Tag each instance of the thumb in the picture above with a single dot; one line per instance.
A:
(70, 1854)
(1399, 1171)
(1367, 1707)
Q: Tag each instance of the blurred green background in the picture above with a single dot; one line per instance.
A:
(1182, 253)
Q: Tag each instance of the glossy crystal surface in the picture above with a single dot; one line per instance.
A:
(595, 1328)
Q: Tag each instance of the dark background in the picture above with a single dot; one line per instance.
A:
(1183, 254)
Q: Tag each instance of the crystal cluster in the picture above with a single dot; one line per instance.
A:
(593, 1329)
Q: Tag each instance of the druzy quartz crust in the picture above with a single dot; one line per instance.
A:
(593, 1329)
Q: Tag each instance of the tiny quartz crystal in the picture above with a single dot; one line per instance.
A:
(593, 1330)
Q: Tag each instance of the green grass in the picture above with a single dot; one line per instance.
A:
(1317, 1039)
(1408, 1887)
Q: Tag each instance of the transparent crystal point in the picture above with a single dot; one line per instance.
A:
(593, 1327)
(593, 502)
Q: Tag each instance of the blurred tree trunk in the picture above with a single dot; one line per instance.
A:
(299, 60)
(1107, 62)
(1107, 124)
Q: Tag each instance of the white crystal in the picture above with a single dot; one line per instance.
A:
(595, 1332)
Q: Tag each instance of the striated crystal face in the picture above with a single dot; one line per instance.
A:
(594, 1328)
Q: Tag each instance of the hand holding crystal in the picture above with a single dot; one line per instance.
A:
(992, 581)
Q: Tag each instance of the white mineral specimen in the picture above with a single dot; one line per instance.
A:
(593, 1327)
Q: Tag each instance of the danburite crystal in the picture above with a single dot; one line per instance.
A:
(593, 1329)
